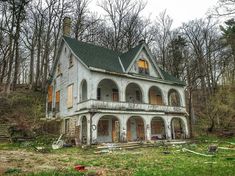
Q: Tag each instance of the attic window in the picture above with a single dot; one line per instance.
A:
(70, 60)
(143, 66)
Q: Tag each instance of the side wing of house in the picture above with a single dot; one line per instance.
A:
(63, 91)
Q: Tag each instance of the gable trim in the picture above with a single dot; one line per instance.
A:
(151, 58)
(154, 63)
(76, 55)
(123, 69)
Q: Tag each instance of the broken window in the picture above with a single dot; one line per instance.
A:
(143, 66)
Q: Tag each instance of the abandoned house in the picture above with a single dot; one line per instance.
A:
(102, 95)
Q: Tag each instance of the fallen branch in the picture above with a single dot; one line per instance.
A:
(226, 148)
(197, 153)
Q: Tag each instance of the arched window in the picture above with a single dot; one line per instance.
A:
(83, 90)
(143, 66)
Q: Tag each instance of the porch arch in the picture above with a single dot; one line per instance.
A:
(108, 129)
(174, 98)
(155, 96)
(158, 128)
(178, 128)
(135, 128)
(107, 90)
(134, 93)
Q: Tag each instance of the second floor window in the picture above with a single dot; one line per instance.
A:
(143, 66)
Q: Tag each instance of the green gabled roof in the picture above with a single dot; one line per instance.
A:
(171, 78)
(106, 59)
(95, 56)
(128, 57)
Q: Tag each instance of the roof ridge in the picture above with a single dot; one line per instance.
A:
(92, 44)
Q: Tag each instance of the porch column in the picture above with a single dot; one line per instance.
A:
(123, 128)
(122, 89)
(88, 116)
(94, 128)
(168, 127)
(145, 94)
(147, 127)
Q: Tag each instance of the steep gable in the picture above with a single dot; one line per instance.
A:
(95, 56)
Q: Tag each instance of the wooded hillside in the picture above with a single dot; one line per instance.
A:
(200, 52)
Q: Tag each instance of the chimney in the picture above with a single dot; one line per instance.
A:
(67, 26)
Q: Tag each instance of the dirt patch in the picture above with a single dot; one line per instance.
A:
(28, 161)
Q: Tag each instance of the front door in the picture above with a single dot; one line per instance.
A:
(140, 129)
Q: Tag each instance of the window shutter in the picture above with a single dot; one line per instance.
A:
(70, 96)
(50, 88)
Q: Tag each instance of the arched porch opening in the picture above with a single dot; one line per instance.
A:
(108, 129)
(158, 130)
(107, 90)
(84, 130)
(155, 96)
(83, 90)
(135, 129)
(178, 130)
(173, 98)
(134, 93)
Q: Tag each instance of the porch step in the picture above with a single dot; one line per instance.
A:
(135, 145)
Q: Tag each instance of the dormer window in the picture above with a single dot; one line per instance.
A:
(70, 60)
(143, 66)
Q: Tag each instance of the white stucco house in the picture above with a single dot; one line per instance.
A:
(105, 96)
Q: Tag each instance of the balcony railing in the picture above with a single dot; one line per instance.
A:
(109, 105)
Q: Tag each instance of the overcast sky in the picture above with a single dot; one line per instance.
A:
(180, 10)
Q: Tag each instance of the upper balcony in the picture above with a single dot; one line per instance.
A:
(108, 97)
(125, 106)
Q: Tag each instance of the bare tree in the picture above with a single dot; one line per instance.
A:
(162, 35)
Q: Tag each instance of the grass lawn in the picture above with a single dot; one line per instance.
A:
(24, 160)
